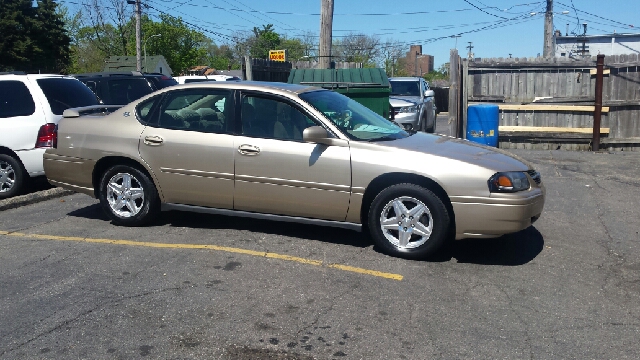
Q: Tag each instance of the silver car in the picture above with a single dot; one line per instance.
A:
(413, 103)
(293, 153)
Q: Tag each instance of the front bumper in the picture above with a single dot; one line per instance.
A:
(410, 121)
(488, 218)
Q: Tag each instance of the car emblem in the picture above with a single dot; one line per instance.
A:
(126, 114)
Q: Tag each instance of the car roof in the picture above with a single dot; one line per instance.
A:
(405, 78)
(18, 75)
(252, 85)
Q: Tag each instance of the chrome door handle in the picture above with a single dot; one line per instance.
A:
(153, 140)
(249, 150)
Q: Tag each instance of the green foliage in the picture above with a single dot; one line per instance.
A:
(33, 38)
(182, 47)
(441, 74)
(264, 39)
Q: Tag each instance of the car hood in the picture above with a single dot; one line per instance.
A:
(401, 101)
(461, 150)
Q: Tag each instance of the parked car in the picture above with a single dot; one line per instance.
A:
(30, 107)
(186, 79)
(120, 88)
(413, 103)
(295, 153)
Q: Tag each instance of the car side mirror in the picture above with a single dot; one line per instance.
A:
(319, 135)
(314, 134)
(429, 93)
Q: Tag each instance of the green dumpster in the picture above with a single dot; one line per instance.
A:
(368, 86)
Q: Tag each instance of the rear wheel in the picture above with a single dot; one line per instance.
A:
(12, 176)
(408, 221)
(128, 196)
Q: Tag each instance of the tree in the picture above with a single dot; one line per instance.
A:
(182, 47)
(357, 48)
(33, 39)
(263, 40)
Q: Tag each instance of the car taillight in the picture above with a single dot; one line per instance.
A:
(165, 77)
(47, 136)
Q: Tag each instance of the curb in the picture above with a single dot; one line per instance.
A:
(33, 198)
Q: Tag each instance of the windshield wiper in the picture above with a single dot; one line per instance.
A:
(384, 138)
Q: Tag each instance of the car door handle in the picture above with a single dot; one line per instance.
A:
(153, 140)
(249, 150)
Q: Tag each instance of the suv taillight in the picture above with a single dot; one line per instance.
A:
(47, 136)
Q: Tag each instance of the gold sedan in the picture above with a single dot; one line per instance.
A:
(291, 153)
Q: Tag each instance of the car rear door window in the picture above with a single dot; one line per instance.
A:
(203, 110)
(15, 99)
(65, 93)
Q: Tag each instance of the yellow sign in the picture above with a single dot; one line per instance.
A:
(278, 55)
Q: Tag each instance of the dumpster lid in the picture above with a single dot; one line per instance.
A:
(333, 78)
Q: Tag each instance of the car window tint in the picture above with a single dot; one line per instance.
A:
(203, 110)
(124, 91)
(15, 99)
(271, 118)
(145, 108)
(66, 93)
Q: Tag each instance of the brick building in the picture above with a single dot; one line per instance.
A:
(418, 64)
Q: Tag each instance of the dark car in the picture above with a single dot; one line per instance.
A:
(121, 88)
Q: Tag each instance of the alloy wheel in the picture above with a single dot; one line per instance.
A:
(406, 222)
(7, 176)
(125, 195)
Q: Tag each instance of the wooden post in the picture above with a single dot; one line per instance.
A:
(597, 114)
(454, 92)
(326, 28)
(464, 80)
(248, 68)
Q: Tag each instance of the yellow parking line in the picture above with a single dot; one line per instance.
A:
(209, 247)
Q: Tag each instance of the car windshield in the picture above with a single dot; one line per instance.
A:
(405, 88)
(352, 118)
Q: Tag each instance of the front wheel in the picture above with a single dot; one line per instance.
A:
(12, 176)
(128, 196)
(408, 221)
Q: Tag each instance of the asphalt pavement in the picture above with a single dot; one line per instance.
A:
(194, 286)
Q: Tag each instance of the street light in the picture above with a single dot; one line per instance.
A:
(145, 51)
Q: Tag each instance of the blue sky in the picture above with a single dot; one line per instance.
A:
(496, 28)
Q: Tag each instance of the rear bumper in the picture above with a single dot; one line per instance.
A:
(496, 218)
(32, 161)
(70, 172)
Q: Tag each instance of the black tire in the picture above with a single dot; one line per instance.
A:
(435, 218)
(423, 124)
(115, 204)
(431, 129)
(13, 176)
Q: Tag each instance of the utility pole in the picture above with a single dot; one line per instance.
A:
(138, 37)
(326, 28)
(470, 54)
(548, 51)
(138, 33)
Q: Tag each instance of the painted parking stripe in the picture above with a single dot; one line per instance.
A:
(210, 247)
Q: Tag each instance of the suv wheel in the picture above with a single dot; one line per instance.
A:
(128, 196)
(408, 221)
(12, 176)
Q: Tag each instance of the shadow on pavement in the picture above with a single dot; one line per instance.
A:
(282, 228)
(508, 250)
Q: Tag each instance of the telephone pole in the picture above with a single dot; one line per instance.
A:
(326, 28)
(548, 51)
(470, 54)
(138, 33)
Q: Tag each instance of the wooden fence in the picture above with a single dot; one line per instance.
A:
(553, 100)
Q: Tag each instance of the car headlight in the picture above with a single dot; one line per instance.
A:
(512, 181)
(409, 109)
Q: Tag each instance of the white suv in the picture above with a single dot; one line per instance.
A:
(30, 108)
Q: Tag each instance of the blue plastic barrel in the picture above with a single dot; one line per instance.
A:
(482, 124)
